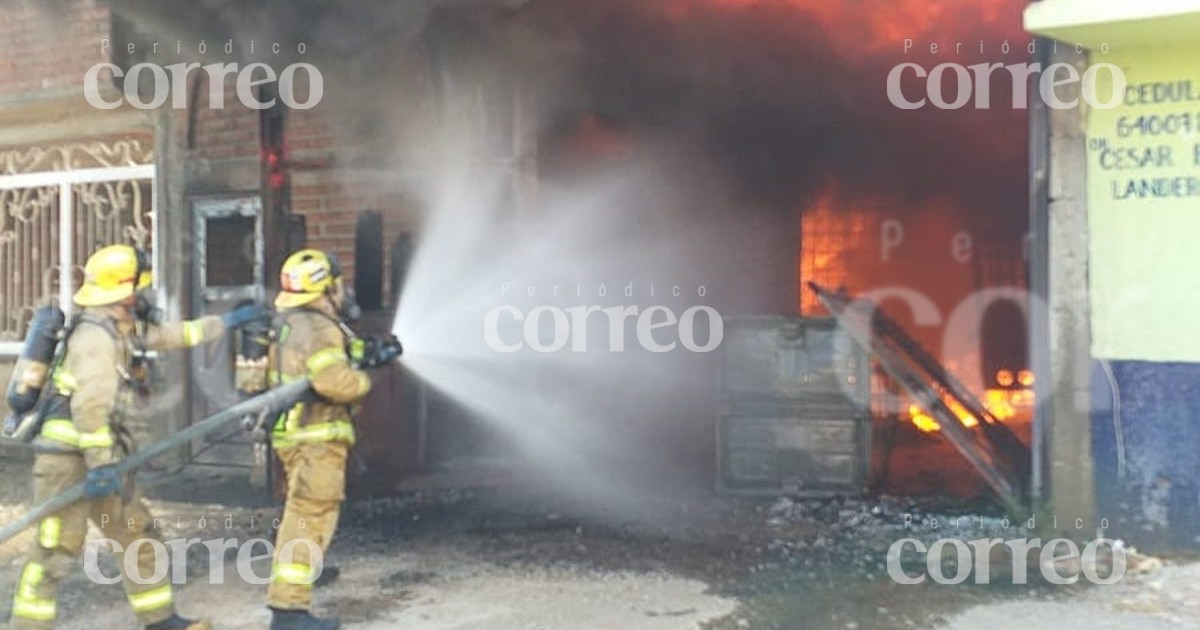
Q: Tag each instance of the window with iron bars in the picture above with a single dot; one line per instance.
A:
(50, 222)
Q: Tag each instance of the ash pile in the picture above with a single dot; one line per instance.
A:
(824, 537)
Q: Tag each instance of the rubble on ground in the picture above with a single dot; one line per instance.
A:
(824, 560)
(863, 531)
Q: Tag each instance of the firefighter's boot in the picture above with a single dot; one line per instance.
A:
(302, 620)
(175, 622)
(329, 575)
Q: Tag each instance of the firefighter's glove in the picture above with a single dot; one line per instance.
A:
(243, 315)
(373, 352)
(146, 311)
(102, 481)
(389, 350)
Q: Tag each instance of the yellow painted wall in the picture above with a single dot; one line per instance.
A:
(1144, 208)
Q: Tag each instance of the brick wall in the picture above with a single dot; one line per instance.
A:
(226, 133)
(326, 189)
(331, 201)
(49, 46)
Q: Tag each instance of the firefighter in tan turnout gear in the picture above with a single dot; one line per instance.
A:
(84, 434)
(313, 439)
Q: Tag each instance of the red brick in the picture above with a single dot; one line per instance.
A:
(321, 189)
(58, 46)
(330, 217)
(347, 202)
(306, 204)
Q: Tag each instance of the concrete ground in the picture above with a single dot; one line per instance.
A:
(524, 559)
(1160, 599)
(383, 593)
(521, 574)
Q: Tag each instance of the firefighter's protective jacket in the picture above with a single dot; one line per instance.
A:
(313, 441)
(94, 385)
(310, 343)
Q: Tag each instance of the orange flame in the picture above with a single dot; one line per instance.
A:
(826, 229)
(872, 26)
(1001, 403)
(926, 423)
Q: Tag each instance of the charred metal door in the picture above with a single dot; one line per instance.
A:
(795, 415)
(228, 268)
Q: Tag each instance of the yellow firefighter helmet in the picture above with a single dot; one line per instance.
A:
(113, 274)
(306, 275)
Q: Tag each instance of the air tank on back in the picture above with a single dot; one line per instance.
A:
(33, 367)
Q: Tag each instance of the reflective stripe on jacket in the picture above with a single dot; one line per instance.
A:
(311, 344)
(91, 384)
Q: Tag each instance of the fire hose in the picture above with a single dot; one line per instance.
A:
(260, 406)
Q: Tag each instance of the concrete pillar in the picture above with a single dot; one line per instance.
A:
(1066, 408)
(172, 222)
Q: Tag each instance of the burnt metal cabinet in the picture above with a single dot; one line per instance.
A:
(794, 415)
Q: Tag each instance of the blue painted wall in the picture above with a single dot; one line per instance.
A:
(1154, 500)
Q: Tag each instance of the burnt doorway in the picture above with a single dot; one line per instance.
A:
(228, 268)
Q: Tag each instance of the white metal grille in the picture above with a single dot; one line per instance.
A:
(51, 221)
